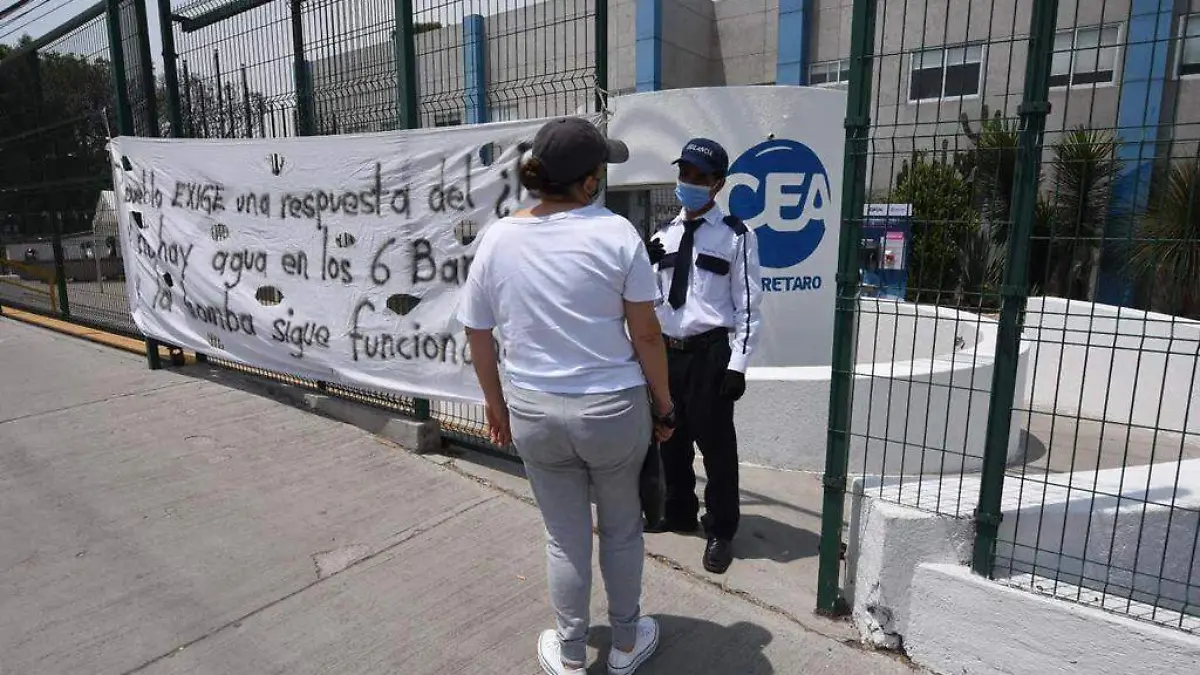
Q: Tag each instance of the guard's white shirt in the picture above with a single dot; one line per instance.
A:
(724, 287)
(555, 288)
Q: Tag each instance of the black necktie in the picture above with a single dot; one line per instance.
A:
(683, 264)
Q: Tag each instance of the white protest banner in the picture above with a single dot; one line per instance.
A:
(332, 258)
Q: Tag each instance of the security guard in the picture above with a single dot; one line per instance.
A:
(708, 270)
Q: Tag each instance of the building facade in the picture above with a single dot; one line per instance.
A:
(1118, 64)
(1128, 69)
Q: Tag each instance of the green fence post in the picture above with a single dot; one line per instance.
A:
(170, 69)
(854, 181)
(407, 107)
(601, 27)
(304, 85)
(120, 77)
(1033, 111)
(60, 267)
(148, 84)
(125, 117)
(149, 105)
(421, 408)
(171, 81)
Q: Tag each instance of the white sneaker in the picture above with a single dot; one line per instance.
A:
(550, 654)
(620, 663)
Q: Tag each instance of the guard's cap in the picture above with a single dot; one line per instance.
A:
(570, 147)
(706, 155)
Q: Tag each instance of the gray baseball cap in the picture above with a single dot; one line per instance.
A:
(570, 147)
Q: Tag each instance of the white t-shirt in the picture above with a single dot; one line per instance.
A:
(555, 286)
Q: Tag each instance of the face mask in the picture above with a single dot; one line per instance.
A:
(693, 197)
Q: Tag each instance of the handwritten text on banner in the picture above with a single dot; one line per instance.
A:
(333, 258)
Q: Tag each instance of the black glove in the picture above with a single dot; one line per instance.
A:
(734, 385)
(656, 250)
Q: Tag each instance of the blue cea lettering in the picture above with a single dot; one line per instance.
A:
(790, 284)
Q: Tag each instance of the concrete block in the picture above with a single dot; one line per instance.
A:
(419, 436)
(963, 624)
(1128, 550)
(279, 391)
(920, 397)
(1113, 363)
(888, 544)
(1128, 532)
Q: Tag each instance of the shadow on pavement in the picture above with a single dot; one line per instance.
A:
(690, 645)
(763, 538)
(759, 537)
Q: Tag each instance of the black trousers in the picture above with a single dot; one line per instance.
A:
(705, 419)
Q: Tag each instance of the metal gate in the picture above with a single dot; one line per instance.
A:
(1047, 148)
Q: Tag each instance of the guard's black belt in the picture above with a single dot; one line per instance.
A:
(693, 342)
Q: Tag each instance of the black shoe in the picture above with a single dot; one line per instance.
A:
(718, 555)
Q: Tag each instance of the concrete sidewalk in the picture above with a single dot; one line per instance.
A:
(159, 522)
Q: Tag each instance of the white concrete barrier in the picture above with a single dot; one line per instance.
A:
(1120, 537)
(921, 396)
(961, 623)
(1115, 364)
(1130, 532)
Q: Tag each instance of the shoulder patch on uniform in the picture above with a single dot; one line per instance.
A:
(734, 223)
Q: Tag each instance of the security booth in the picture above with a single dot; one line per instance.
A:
(886, 238)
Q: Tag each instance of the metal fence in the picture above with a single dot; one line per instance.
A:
(1045, 148)
(57, 112)
(265, 68)
(273, 68)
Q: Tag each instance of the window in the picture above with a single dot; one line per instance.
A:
(1085, 56)
(949, 72)
(1189, 45)
(829, 73)
(447, 119)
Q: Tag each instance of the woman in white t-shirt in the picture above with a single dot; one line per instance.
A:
(570, 288)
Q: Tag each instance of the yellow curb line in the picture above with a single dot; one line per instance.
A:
(100, 337)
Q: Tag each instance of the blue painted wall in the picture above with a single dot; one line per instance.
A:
(475, 68)
(648, 20)
(1144, 75)
(791, 65)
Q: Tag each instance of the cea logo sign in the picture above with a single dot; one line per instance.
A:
(780, 189)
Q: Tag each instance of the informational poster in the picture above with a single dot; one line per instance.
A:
(333, 258)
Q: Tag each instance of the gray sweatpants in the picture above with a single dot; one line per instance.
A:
(568, 444)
